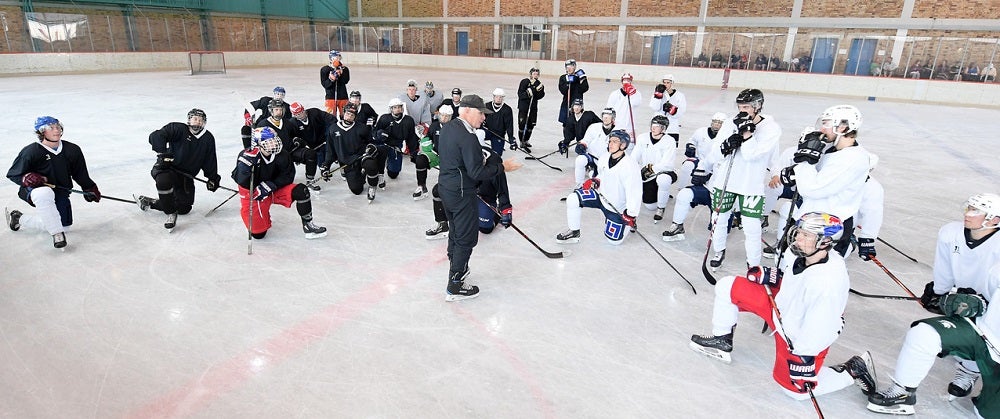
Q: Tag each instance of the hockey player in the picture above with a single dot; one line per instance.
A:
(456, 97)
(744, 148)
(967, 259)
(349, 141)
(181, 151)
(428, 157)
(622, 191)
(698, 147)
(808, 301)
(572, 85)
(575, 128)
(656, 162)
(622, 101)
(434, 100)
(870, 212)
(366, 115)
(463, 164)
(417, 106)
(392, 131)
(308, 146)
(500, 123)
(265, 176)
(334, 78)
(830, 169)
(45, 171)
(593, 146)
(261, 108)
(671, 103)
(529, 92)
(279, 121)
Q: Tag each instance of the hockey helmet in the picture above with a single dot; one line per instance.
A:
(827, 228)
(578, 101)
(499, 92)
(350, 108)
(44, 123)
(984, 203)
(608, 111)
(627, 76)
(753, 97)
(194, 125)
(297, 108)
(622, 136)
(533, 71)
(570, 62)
(456, 91)
(667, 77)
(446, 110)
(266, 140)
(660, 120)
(355, 93)
(394, 102)
(719, 116)
(836, 116)
(276, 103)
(334, 54)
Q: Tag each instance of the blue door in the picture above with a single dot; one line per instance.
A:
(661, 49)
(823, 53)
(462, 40)
(859, 59)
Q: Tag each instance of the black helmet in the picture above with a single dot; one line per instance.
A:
(660, 120)
(752, 96)
(534, 70)
(192, 112)
(355, 93)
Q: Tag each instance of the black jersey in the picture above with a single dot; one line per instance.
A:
(285, 129)
(587, 118)
(347, 142)
(366, 116)
(263, 104)
(280, 171)
(335, 89)
(61, 168)
(313, 131)
(401, 131)
(526, 101)
(501, 121)
(192, 153)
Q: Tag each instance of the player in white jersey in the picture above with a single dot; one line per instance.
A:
(744, 148)
(670, 102)
(617, 193)
(805, 311)
(656, 161)
(697, 148)
(593, 145)
(830, 169)
(625, 101)
(870, 212)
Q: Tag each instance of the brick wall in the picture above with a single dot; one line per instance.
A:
(423, 8)
(608, 8)
(379, 8)
(968, 9)
(654, 8)
(852, 8)
(525, 7)
(470, 8)
(16, 30)
(741, 8)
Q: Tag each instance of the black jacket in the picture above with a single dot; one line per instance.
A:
(576, 89)
(347, 143)
(191, 153)
(60, 169)
(280, 172)
(500, 122)
(400, 131)
(462, 163)
(524, 100)
(335, 89)
(314, 130)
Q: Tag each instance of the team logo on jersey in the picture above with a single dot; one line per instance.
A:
(955, 251)
(947, 324)
(613, 230)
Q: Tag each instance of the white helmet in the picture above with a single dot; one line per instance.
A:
(499, 92)
(988, 203)
(395, 102)
(446, 110)
(668, 77)
(841, 115)
(719, 116)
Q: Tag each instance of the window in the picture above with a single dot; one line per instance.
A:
(522, 37)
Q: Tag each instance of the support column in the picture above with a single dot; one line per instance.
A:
(620, 48)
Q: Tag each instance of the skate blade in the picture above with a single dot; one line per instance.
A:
(899, 409)
(459, 297)
(674, 238)
(715, 268)
(711, 352)
(568, 241)
(438, 236)
(311, 236)
(771, 256)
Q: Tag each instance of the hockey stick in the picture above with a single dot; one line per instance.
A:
(894, 248)
(568, 145)
(223, 203)
(527, 116)
(354, 160)
(190, 176)
(550, 255)
(523, 150)
(898, 282)
(981, 335)
(129, 201)
(791, 348)
(884, 297)
(715, 221)
(603, 199)
(631, 120)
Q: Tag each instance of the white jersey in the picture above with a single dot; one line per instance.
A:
(621, 185)
(702, 141)
(596, 139)
(749, 173)
(661, 155)
(956, 265)
(418, 109)
(677, 99)
(989, 323)
(872, 208)
(835, 185)
(812, 303)
(624, 112)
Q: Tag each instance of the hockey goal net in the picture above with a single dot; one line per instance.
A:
(206, 62)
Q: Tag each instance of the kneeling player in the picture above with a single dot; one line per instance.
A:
(265, 177)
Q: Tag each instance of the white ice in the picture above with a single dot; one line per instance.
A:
(130, 321)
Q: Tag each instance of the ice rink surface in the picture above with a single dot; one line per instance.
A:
(130, 321)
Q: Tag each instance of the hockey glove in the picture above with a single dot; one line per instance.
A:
(381, 137)
(690, 150)
(628, 89)
(563, 148)
(962, 305)
(765, 275)
(628, 219)
(213, 183)
(247, 119)
(647, 173)
(668, 108)
(539, 87)
(581, 149)
(802, 373)
(263, 190)
(746, 126)
(931, 300)
(325, 173)
(33, 180)
(513, 144)
(298, 143)
(164, 161)
(866, 248)
(787, 176)
(591, 183)
(570, 78)
(658, 92)
(506, 217)
(245, 135)
(810, 148)
(700, 177)
(92, 194)
(731, 144)
(580, 73)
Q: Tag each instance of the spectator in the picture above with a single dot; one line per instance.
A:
(745, 61)
(716, 59)
(775, 63)
(888, 67)
(971, 72)
(941, 71)
(990, 73)
(760, 63)
(734, 60)
(805, 63)
(702, 60)
(874, 69)
(794, 66)
(914, 71)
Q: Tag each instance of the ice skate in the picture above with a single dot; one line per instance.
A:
(961, 385)
(381, 182)
(420, 193)
(716, 261)
(862, 369)
(568, 236)
(311, 184)
(458, 290)
(526, 146)
(674, 233)
(440, 231)
(59, 240)
(312, 230)
(718, 347)
(658, 215)
(144, 202)
(171, 222)
(769, 251)
(13, 219)
(895, 400)
(371, 194)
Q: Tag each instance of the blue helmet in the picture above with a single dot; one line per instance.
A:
(267, 140)
(279, 89)
(827, 228)
(334, 54)
(622, 136)
(44, 122)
